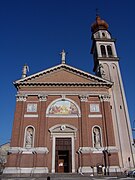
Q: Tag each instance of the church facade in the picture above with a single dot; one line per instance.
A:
(68, 120)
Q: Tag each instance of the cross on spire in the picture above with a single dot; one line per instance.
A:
(97, 12)
(63, 56)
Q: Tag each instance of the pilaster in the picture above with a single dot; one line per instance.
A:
(42, 128)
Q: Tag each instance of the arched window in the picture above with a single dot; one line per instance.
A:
(103, 34)
(103, 51)
(109, 50)
(96, 134)
(29, 137)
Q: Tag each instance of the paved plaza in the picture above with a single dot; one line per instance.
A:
(66, 177)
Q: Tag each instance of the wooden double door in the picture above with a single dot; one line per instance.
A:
(63, 159)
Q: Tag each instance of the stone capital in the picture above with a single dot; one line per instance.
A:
(20, 97)
(105, 98)
(42, 97)
(83, 98)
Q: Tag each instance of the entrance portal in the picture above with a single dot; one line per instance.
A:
(63, 160)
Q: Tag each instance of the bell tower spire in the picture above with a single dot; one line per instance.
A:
(106, 65)
(103, 48)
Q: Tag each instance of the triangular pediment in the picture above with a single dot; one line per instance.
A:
(62, 73)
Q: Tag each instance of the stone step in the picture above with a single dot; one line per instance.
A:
(55, 176)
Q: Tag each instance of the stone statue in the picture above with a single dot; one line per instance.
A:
(101, 69)
(24, 71)
(63, 56)
(29, 137)
(97, 137)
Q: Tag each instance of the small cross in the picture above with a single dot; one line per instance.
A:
(63, 56)
(97, 12)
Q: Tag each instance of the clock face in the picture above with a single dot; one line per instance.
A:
(32, 108)
(94, 107)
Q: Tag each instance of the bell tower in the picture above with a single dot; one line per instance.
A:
(106, 65)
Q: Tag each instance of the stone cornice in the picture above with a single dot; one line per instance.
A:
(63, 84)
(66, 67)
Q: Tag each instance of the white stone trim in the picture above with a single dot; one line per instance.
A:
(63, 135)
(18, 170)
(86, 150)
(115, 169)
(53, 153)
(95, 115)
(83, 98)
(88, 169)
(38, 150)
(31, 115)
(42, 97)
(57, 129)
(63, 116)
(21, 97)
(105, 98)
(85, 169)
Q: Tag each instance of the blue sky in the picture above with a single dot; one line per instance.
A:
(35, 32)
